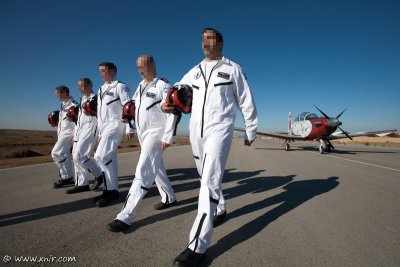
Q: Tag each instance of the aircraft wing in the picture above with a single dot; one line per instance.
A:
(371, 134)
(275, 135)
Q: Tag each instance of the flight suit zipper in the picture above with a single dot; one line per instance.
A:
(205, 95)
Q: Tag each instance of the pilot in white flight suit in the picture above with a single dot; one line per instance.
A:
(155, 131)
(61, 152)
(219, 89)
(112, 96)
(84, 141)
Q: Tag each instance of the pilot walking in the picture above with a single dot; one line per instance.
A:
(85, 140)
(61, 152)
(155, 131)
(112, 95)
(219, 89)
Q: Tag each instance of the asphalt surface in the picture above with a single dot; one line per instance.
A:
(296, 208)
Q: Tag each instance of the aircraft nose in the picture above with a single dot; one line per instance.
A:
(334, 122)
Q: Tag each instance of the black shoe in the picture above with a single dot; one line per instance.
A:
(60, 183)
(161, 205)
(78, 189)
(108, 198)
(98, 181)
(189, 258)
(117, 226)
(219, 219)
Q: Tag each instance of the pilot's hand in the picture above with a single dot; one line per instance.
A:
(248, 142)
(166, 108)
(124, 120)
(165, 145)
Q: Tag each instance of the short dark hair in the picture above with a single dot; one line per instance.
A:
(220, 39)
(86, 81)
(149, 58)
(108, 65)
(62, 88)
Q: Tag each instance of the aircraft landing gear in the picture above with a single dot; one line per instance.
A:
(321, 149)
(324, 147)
(287, 147)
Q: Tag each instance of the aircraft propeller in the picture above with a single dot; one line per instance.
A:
(334, 122)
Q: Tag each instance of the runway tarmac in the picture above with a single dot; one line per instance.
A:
(296, 208)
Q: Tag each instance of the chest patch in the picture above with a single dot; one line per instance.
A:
(150, 94)
(223, 75)
(110, 93)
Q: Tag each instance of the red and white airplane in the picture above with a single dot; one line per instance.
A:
(308, 126)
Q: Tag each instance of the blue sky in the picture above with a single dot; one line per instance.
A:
(295, 53)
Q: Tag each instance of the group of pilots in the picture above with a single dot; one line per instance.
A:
(212, 91)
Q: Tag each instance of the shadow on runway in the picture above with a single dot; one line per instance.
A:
(296, 194)
(45, 212)
(251, 185)
(189, 174)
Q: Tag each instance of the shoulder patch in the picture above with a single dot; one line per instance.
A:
(164, 80)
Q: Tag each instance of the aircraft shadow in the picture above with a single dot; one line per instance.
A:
(296, 193)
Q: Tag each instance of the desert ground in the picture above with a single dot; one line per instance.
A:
(26, 147)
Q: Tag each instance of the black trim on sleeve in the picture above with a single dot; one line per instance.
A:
(195, 87)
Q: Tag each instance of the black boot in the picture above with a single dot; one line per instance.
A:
(189, 258)
(60, 183)
(98, 181)
(117, 226)
(219, 219)
(78, 189)
(161, 205)
(108, 198)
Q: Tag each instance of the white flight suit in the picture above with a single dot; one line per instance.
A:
(61, 152)
(219, 89)
(84, 142)
(153, 127)
(111, 98)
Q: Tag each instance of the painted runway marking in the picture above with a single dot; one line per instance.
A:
(364, 163)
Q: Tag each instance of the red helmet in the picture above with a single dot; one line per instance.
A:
(180, 96)
(90, 106)
(128, 110)
(72, 113)
(54, 117)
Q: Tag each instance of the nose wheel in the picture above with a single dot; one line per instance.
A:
(321, 149)
(287, 147)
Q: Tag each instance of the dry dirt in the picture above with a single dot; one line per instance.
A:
(26, 147)
(382, 141)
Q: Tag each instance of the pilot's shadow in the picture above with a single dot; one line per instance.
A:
(296, 194)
